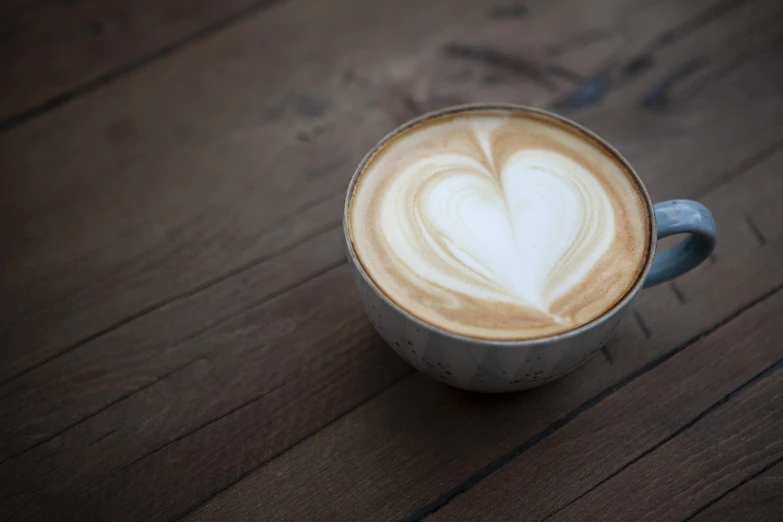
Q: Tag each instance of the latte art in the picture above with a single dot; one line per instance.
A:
(498, 225)
(526, 234)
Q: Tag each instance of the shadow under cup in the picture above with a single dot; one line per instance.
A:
(503, 366)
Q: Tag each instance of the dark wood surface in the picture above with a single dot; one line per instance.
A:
(180, 337)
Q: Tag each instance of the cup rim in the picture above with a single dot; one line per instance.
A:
(470, 107)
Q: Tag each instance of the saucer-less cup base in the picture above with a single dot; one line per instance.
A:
(505, 366)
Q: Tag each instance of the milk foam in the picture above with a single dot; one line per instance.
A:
(498, 226)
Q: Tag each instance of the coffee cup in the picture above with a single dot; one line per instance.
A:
(496, 247)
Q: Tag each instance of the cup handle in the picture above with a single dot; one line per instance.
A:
(682, 216)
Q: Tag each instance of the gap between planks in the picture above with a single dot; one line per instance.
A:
(192, 292)
(777, 365)
(735, 487)
(275, 295)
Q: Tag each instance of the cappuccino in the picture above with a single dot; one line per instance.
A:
(499, 224)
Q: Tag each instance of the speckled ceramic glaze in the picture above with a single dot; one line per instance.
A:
(505, 366)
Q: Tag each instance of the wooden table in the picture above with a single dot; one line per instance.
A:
(181, 339)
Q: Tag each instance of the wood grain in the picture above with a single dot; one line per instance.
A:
(302, 360)
(757, 498)
(53, 52)
(135, 356)
(698, 464)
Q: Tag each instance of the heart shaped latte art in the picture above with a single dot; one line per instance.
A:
(499, 226)
(525, 232)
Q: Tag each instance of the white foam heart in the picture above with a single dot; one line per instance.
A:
(526, 233)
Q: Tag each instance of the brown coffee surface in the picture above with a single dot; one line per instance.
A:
(499, 224)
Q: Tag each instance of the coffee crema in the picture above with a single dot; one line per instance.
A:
(499, 224)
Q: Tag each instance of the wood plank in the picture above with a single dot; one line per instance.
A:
(487, 62)
(33, 416)
(757, 498)
(671, 67)
(278, 354)
(54, 51)
(686, 112)
(735, 441)
(134, 356)
(420, 429)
